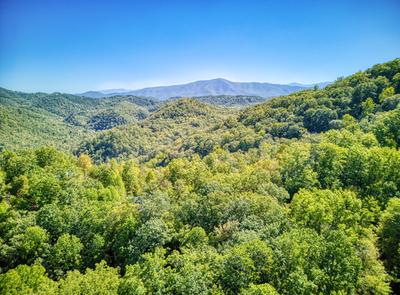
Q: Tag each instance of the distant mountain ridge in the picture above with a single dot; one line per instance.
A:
(212, 87)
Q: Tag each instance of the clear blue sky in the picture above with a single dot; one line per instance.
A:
(74, 46)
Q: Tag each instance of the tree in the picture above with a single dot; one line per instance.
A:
(325, 210)
(367, 107)
(238, 270)
(364, 90)
(134, 240)
(66, 254)
(396, 82)
(131, 284)
(317, 120)
(296, 169)
(20, 186)
(47, 156)
(261, 289)
(106, 120)
(192, 271)
(84, 162)
(103, 280)
(151, 271)
(385, 127)
(44, 188)
(3, 185)
(387, 92)
(308, 263)
(28, 246)
(26, 279)
(131, 178)
(389, 242)
(328, 164)
(149, 235)
(56, 220)
(196, 237)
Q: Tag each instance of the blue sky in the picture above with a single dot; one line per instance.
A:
(74, 46)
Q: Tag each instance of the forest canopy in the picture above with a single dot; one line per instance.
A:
(125, 195)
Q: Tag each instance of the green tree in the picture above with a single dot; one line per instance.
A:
(387, 92)
(238, 270)
(103, 280)
(24, 280)
(389, 238)
(131, 177)
(28, 246)
(131, 284)
(325, 210)
(192, 272)
(317, 120)
(84, 162)
(296, 169)
(328, 164)
(307, 263)
(367, 106)
(66, 254)
(262, 289)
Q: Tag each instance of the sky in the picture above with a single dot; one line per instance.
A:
(74, 46)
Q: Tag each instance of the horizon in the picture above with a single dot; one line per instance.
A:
(122, 90)
(74, 47)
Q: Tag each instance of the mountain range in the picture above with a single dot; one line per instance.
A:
(217, 86)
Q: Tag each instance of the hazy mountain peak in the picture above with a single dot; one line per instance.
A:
(217, 86)
(319, 84)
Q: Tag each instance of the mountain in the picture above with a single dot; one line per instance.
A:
(104, 93)
(295, 195)
(93, 94)
(237, 101)
(162, 131)
(319, 85)
(209, 88)
(189, 126)
(64, 120)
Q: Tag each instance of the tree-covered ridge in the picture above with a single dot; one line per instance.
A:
(298, 195)
(22, 127)
(239, 101)
(64, 120)
(63, 104)
(359, 95)
(160, 134)
(302, 114)
(51, 118)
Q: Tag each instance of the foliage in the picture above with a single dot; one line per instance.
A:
(297, 195)
(389, 233)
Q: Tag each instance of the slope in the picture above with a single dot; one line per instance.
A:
(62, 120)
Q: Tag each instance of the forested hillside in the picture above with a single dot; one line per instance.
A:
(64, 120)
(237, 101)
(296, 195)
(160, 134)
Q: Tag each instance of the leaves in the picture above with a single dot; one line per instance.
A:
(297, 195)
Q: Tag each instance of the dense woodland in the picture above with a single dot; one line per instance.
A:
(126, 195)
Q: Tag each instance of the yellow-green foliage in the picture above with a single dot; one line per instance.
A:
(298, 195)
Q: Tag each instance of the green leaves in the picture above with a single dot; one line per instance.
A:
(325, 210)
(26, 279)
(103, 280)
(389, 234)
(66, 254)
(216, 201)
(31, 245)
